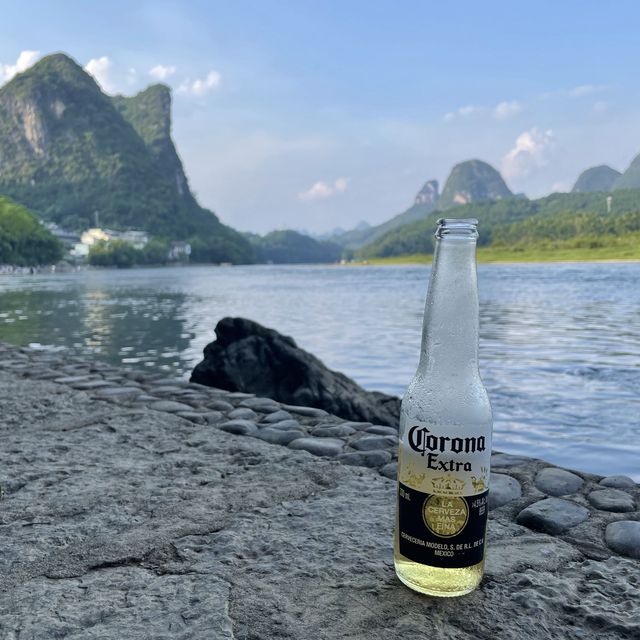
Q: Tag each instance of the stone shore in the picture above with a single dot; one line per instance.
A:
(135, 506)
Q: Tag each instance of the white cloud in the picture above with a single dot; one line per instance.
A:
(321, 190)
(100, 68)
(462, 112)
(529, 153)
(201, 86)
(586, 90)
(162, 72)
(132, 76)
(24, 61)
(501, 111)
(505, 109)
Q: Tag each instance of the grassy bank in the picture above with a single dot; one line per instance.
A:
(488, 255)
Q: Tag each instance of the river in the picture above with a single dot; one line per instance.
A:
(559, 345)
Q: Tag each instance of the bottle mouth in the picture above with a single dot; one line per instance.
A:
(457, 227)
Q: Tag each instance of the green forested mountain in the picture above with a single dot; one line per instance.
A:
(630, 179)
(469, 182)
(472, 181)
(23, 240)
(600, 178)
(519, 221)
(67, 150)
(291, 247)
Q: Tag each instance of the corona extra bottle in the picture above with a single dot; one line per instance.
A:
(445, 432)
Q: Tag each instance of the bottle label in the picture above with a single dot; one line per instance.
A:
(442, 494)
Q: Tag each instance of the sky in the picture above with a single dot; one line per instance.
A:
(316, 115)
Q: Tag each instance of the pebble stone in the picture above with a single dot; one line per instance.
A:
(369, 443)
(243, 413)
(277, 416)
(503, 489)
(309, 412)
(170, 406)
(220, 405)
(277, 436)
(618, 482)
(390, 470)
(381, 430)
(285, 425)
(623, 537)
(319, 446)
(239, 427)
(500, 460)
(332, 431)
(557, 482)
(118, 392)
(358, 426)
(611, 500)
(260, 404)
(372, 459)
(552, 515)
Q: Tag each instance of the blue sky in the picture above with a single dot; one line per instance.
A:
(312, 115)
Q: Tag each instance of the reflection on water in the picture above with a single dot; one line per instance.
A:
(560, 344)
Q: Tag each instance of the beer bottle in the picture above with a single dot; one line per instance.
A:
(445, 432)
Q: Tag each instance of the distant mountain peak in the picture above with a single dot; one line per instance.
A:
(600, 178)
(428, 194)
(472, 181)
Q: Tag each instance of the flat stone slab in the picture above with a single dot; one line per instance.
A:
(557, 482)
(278, 436)
(618, 482)
(552, 515)
(260, 404)
(612, 500)
(624, 538)
(309, 412)
(502, 490)
(390, 470)
(381, 430)
(319, 446)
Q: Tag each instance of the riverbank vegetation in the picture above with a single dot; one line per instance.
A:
(23, 240)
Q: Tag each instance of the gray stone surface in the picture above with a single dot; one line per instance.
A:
(502, 489)
(552, 515)
(123, 523)
(365, 458)
(612, 500)
(381, 430)
(319, 446)
(286, 425)
(618, 482)
(260, 404)
(624, 538)
(557, 482)
(390, 470)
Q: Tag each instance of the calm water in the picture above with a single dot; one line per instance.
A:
(560, 344)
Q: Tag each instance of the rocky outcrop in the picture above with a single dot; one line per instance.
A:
(428, 194)
(251, 358)
(600, 178)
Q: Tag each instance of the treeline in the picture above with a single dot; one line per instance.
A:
(122, 254)
(24, 241)
(513, 221)
(291, 247)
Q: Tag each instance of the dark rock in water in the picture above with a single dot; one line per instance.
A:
(249, 357)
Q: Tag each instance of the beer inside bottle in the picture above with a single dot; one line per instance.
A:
(445, 432)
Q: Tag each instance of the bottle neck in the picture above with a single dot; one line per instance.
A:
(451, 319)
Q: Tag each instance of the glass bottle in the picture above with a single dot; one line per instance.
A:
(445, 431)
